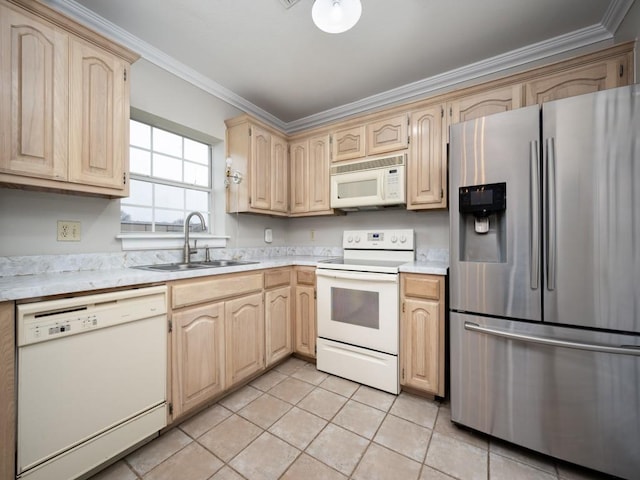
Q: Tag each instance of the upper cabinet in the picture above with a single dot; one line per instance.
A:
(65, 115)
(383, 135)
(495, 100)
(261, 156)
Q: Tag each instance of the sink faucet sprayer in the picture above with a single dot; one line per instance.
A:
(188, 251)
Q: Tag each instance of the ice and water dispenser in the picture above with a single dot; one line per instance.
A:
(483, 223)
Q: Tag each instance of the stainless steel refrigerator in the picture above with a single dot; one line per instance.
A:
(545, 278)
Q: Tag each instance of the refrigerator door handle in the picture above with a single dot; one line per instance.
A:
(553, 342)
(534, 158)
(551, 214)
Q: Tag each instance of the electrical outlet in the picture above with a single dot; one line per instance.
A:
(68, 231)
(313, 235)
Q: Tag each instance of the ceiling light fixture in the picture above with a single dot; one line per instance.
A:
(336, 16)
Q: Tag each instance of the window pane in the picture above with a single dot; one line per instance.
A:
(166, 142)
(167, 167)
(169, 197)
(140, 161)
(169, 220)
(140, 134)
(140, 193)
(197, 201)
(135, 219)
(196, 174)
(196, 151)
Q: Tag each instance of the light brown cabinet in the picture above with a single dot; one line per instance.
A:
(387, 134)
(65, 115)
(427, 163)
(349, 143)
(244, 338)
(422, 333)
(277, 316)
(7, 391)
(488, 102)
(310, 181)
(305, 311)
(261, 156)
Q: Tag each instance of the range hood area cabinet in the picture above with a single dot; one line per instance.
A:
(260, 154)
(65, 117)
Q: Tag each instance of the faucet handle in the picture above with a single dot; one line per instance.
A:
(207, 255)
(195, 247)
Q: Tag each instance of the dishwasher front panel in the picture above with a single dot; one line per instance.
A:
(74, 388)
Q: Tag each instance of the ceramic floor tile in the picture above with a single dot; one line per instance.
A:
(523, 455)
(429, 473)
(503, 468)
(265, 410)
(229, 437)
(291, 390)
(323, 403)
(445, 426)
(308, 468)
(191, 463)
(227, 473)
(415, 409)
(456, 458)
(404, 437)
(374, 398)
(310, 374)
(117, 471)
(268, 380)
(380, 463)
(158, 450)
(290, 366)
(298, 427)
(266, 458)
(341, 386)
(205, 421)
(338, 448)
(240, 398)
(359, 418)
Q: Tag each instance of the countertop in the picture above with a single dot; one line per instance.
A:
(23, 287)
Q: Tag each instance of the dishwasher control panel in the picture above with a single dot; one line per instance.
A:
(39, 322)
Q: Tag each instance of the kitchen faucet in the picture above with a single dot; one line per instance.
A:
(188, 251)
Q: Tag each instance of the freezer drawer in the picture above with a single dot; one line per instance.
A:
(578, 405)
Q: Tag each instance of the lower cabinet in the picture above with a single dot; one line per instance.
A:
(277, 320)
(422, 333)
(305, 311)
(244, 335)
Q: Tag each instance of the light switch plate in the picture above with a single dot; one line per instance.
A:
(68, 231)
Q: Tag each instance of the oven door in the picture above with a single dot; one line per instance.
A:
(359, 308)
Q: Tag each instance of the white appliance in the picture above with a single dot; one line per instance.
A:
(358, 307)
(370, 183)
(91, 379)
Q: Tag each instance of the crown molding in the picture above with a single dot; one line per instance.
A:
(422, 88)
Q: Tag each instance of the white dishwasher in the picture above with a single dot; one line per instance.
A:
(92, 373)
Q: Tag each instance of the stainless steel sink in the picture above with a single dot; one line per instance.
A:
(178, 267)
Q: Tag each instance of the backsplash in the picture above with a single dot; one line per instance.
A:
(37, 264)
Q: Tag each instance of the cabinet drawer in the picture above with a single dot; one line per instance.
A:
(307, 277)
(422, 286)
(274, 278)
(192, 292)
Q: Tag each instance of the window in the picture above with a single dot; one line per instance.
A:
(170, 177)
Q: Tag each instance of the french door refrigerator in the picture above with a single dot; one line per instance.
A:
(545, 278)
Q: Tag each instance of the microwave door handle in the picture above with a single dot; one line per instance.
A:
(348, 275)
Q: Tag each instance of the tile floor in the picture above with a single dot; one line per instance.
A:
(295, 422)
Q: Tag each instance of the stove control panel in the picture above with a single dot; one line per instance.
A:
(403, 239)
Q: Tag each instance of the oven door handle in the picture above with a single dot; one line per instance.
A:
(349, 275)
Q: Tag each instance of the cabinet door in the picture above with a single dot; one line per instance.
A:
(598, 76)
(305, 315)
(34, 103)
(349, 143)
(244, 330)
(260, 168)
(299, 162)
(420, 330)
(485, 103)
(277, 324)
(427, 169)
(198, 356)
(319, 170)
(279, 175)
(99, 118)
(387, 135)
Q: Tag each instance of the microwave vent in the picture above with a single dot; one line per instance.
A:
(369, 164)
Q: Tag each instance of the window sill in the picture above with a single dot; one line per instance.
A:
(168, 241)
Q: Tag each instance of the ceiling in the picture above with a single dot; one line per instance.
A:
(273, 62)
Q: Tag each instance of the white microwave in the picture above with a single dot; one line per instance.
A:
(374, 182)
